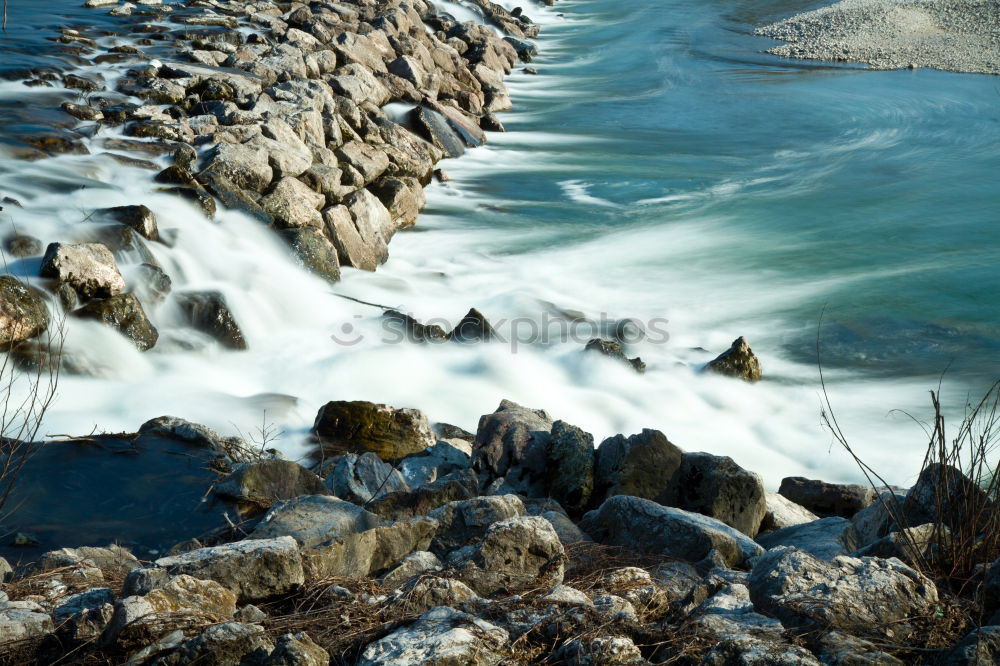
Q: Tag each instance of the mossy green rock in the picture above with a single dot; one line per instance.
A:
(359, 426)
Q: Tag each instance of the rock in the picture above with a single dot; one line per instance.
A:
(474, 327)
(359, 427)
(742, 649)
(22, 620)
(152, 284)
(856, 596)
(228, 644)
(359, 85)
(454, 487)
(737, 361)
(514, 555)
(604, 650)
(443, 458)
(361, 252)
(245, 166)
(208, 312)
(412, 565)
(140, 582)
(718, 487)
(782, 512)
(23, 313)
(297, 650)
(362, 479)
(22, 245)
(643, 465)
(825, 538)
(564, 594)
(370, 552)
(944, 494)
(422, 594)
(644, 526)
(314, 519)
(440, 637)
(123, 313)
(140, 218)
(614, 350)
(294, 205)
(366, 161)
(570, 466)
(565, 528)
(402, 197)
(233, 197)
(615, 607)
(511, 443)
(84, 616)
(89, 268)
(114, 559)
(267, 482)
(434, 127)
(979, 648)
(195, 434)
(876, 520)
(840, 649)
(461, 522)
(314, 252)
(372, 221)
(827, 499)
(6, 571)
(917, 546)
(990, 591)
(253, 569)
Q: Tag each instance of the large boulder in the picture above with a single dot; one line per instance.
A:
(370, 552)
(716, 486)
(23, 313)
(364, 252)
(738, 361)
(84, 616)
(570, 466)
(89, 268)
(140, 218)
(991, 588)
(944, 494)
(269, 481)
(365, 478)
(825, 538)
(297, 650)
(827, 499)
(643, 526)
(208, 312)
(512, 443)
(878, 518)
(314, 252)
(253, 569)
(514, 555)
(440, 637)
(359, 426)
(123, 313)
(464, 521)
(643, 465)
(113, 559)
(857, 596)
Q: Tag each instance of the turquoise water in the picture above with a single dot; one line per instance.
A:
(659, 166)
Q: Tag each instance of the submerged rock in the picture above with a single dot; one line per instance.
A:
(474, 327)
(613, 349)
(738, 361)
(123, 313)
(208, 312)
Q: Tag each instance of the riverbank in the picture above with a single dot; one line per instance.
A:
(522, 543)
(953, 35)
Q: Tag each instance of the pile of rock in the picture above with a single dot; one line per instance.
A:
(275, 109)
(487, 548)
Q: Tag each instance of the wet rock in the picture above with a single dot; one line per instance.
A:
(827, 499)
(644, 526)
(353, 249)
(314, 519)
(642, 465)
(412, 330)
(89, 268)
(716, 486)
(267, 482)
(314, 252)
(194, 434)
(152, 283)
(123, 313)
(140, 218)
(207, 311)
(21, 245)
(614, 350)
(82, 112)
(825, 538)
(474, 327)
(782, 512)
(219, 645)
(514, 555)
(570, 466)
(434, 127)
(440, 637)
(511, 443)
(461, 522)
(857, 596)
(294, 205)
(175, 175)
(738, 361)
(360, 426)
(253, 569)
(365, 478)
(23, 313)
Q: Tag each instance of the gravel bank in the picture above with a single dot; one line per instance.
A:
(953, 35)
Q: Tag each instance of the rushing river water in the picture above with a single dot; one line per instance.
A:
(660, 166)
